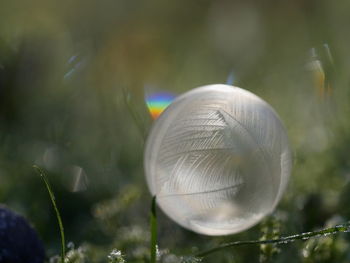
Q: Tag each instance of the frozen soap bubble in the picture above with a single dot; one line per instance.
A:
(217, 159)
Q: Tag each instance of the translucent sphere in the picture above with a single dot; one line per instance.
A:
(217, 159)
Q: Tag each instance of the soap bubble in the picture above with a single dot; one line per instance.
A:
(217, 159)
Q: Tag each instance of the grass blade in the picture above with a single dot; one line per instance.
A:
(283, 240)
(58, 216)
(153, 231)
(135, 116)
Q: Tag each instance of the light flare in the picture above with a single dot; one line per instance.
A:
(158, 102)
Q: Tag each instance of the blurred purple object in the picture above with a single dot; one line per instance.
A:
(19, 243)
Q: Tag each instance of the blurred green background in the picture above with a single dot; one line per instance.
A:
(73, 78)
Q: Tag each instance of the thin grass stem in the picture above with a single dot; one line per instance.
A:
(153, 231)
(58, 216)
(283, 240)
(135, 116)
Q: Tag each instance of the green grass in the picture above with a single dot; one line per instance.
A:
(58, 216)
(342, 228)
(153, 231)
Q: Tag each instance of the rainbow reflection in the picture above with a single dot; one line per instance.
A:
(157, 103)
(320, 68)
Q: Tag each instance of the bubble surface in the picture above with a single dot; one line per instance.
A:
(217, 159)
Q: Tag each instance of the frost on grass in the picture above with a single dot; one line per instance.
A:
(270, 229)
(74, 255)
(164, 256)
(116, 257)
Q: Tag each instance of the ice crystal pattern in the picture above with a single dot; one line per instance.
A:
(217, 159)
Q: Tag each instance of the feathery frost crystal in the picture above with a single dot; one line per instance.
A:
(217, 159)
